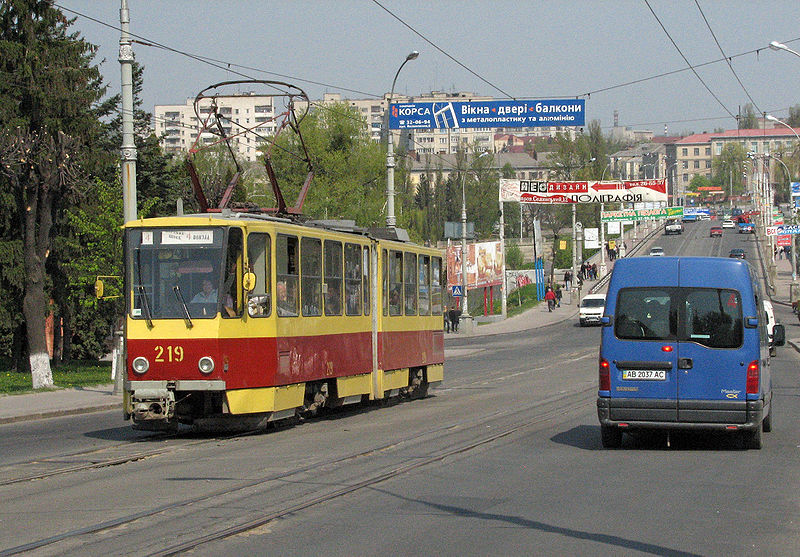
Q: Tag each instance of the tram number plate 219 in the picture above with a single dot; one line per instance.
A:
(645, 374)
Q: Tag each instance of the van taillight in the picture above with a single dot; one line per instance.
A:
(752, 377)
(605, 378)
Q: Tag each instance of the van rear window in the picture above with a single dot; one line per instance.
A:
(708, 316)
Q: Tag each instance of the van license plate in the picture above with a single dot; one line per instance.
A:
(645, 374)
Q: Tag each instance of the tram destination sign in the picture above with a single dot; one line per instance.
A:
(487, 114)
(642, 214)
(592, 191)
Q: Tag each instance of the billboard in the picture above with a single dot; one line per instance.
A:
(642, 214)
(591, 191)
(484, 265)
(487, 114)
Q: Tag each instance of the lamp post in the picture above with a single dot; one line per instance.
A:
(603, 227)
(794, 256)
(390, 220)
(466, 318)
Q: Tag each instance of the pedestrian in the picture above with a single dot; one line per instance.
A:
(567, 279)
(594, 271)
(446, 316)
(455, 314)
(558, 295)
(550, 296)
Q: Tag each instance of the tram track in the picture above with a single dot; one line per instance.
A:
(453, 438)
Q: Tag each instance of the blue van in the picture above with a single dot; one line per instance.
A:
(684, 346)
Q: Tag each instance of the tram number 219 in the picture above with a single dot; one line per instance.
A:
(169, 353)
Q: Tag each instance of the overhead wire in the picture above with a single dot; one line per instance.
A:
(689, 64)
(228, 66)
(727, 60)
(434, 45)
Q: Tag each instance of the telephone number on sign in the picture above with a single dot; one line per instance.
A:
(645, 374)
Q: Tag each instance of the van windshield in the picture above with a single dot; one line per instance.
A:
(593, 303)
(708, 316)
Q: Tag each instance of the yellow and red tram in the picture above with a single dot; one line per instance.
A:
(241, 318)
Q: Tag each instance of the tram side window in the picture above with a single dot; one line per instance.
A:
(333, 278)
(311, 275)
(436, 285)
(287, 275)
(232, 287)
(395, 283)
(424, 280)
(410, 283)
(365, 280)
(352, 279)
(258, 299)
(385, 282)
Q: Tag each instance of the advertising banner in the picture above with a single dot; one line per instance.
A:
(484, 265)
(641, 214)
(795, 189)
(591, 238)
(487, 114)
(592, 191)
(783, 229)
(613, 227)
(784, 240)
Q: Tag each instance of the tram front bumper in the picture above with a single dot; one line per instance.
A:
(152, 404)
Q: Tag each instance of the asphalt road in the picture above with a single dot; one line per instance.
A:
(504, 459)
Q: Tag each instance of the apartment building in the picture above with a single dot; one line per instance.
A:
(178, 126)
(695, 153)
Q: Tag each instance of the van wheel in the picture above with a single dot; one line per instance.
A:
(611, 436)
(766, 425)
(752, 439)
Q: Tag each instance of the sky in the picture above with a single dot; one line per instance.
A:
(612, 53)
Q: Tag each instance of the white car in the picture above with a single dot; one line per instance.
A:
(769, 315)
(591, 309)
(657, 251)
(728, 223)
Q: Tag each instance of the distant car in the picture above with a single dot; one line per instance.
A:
(704, 216)
(656, 251)
(746, 228)
(591, 309)
(716, 231)
(737, 252)
(728, 223)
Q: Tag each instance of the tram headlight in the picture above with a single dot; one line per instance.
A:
(206, 365)
(140, 365)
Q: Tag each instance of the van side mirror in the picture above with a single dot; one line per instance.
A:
(605, 320)
(778, 335)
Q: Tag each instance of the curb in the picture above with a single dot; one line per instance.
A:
(59, 413)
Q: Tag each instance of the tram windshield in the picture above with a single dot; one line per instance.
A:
(176, 273)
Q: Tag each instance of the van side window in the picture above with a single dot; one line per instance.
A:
(714, 318)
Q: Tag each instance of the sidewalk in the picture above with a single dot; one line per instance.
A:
(63, 402)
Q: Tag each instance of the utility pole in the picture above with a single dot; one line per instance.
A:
(128, 144)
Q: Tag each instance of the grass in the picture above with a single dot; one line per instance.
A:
(74, 374)
(518, 301)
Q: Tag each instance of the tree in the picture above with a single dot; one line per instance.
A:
(728, 168)
(49, 102)
(794, 116)
(349, 168)
(39, 170)
(748, 119)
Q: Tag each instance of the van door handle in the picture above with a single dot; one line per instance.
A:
(685, 363)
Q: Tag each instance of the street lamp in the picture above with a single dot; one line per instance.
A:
(775, 45)
(465, 316)
(390, 220)
(794, 257)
